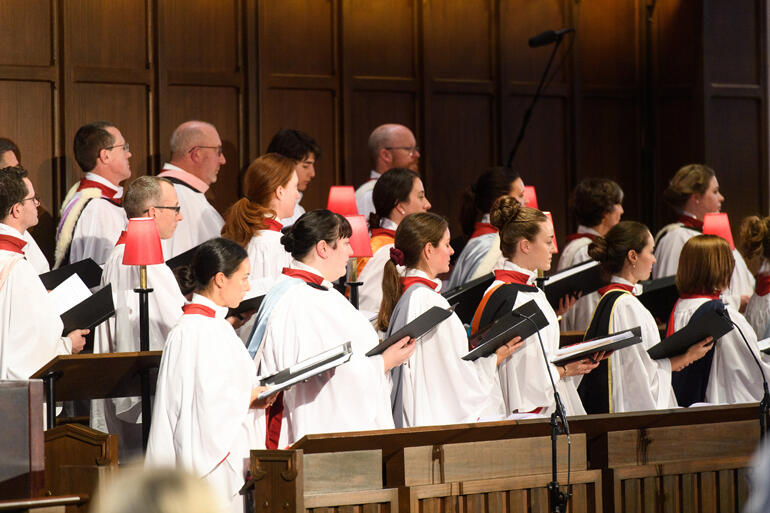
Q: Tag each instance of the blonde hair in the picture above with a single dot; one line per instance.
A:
(754, 237)
(515, 222)
(705, 265)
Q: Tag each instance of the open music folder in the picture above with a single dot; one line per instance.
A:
(417, 328)
(306, 369)
(466, 297)
(612, 342)
(712, 323)
(522, 322)
(89, 271)
(582, 278)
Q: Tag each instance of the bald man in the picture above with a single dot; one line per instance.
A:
(390, 146)
(196, 156)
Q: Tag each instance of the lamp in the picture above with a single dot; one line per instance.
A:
(362, 247)
(718, 224)
(550, 220)
(342, 200)
(143, 248)
(530, 196)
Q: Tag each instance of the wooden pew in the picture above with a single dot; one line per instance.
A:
(21, 445)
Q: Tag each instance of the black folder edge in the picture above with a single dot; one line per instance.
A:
(89, 271)
(90, 312)
(415, 329)
(659, 296)
(613, 346)
(285, 378)
(467, 296)
(506, 328)
(760, 343)
(586, 281)
(246, 306)
(711, 324)
(182, 259)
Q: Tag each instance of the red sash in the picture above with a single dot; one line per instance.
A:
(272, 224)
(615, 286)
(413, 280)
(11, 243)
(106, 191)
(511, 277)
(670, 328)
(691, 222)
(763, 284)
(383, 231)
(195, 308)
(576, 236)
(480, 229)
(305, 276)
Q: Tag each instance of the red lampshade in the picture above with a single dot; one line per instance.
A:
(718, 224)
(530, 197)
(550, 220)
(142, 242)
(359, 241)
(342, 200)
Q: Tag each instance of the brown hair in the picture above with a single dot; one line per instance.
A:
(479, 197)
(612, 250)
(705, 265)
(247, 215)
(593, 198)
(690, 179)
(412, 234)
(515, 222)
(754, 237)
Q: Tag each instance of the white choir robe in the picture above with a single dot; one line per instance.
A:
(523, 376)
(758, 309)
(201, 420)
(439, 387)
(120, 334)
(575, 252)
(480, 256)
(30, 329)
(96, 231)
(638, 381)
(735, 377)
(304, 322)
(364, 201)
(32, 251)
(298, 211)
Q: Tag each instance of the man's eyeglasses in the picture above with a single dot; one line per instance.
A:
(176, 209)
(409, 149)
(126, 147)
(217, 149)
(35, 199)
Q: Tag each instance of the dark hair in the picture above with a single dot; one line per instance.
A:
(313, 227)
(412, 234)
(593, 198)
(8, 145)
(12, 188)
(294, 144)
(612, 250)
(393, 187)
(479, 197)
(91, 139)
(515, 222)
(754, 237)
(705, 265)
(213, 256)
(690, 179)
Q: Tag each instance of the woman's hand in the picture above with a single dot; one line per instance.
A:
(567, 302)
(260, 404)
(239, 320)
(583, 366)
(508, 349)
(694, 353)
(78, 338)
(398, 353)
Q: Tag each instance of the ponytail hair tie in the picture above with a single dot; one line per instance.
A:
(397, 256)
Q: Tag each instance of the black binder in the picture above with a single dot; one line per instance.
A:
(306, 369)
(246, 305)
(466, 297)
(182, 259)
(90, 312)
(510, 325)
(89, 271)
(659, 296)
(415, 329)
(582, 278)
(713, 323)
(612, 342)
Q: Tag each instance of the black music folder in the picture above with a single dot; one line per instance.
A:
(659, 296)
(88, 270)
(415, 329)
(712, 323)
(582, 278)
(246, 305)
(466, 297)
(612, 342)
(522, 322)
(90, 312)
(182, 259)
(306, 369)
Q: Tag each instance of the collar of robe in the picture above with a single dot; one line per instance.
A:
(311, 279)
(576, 236)
(11, 243)
(107, 193)
(408, 281)
(670, 328)
(763, 284)
(616, 286)
(122, 238)
(383, 231)
(480, 229)
(272, 225)
(691, 222)
(196, 309)
(508, 276)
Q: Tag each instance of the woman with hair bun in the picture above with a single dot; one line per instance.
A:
(435, 386)
(303, 315)
(482, 252)
(526, 243)
(694, 192)
(206, 415)
(629, 380)
(597, 204)
(754, 245)
(397, 193)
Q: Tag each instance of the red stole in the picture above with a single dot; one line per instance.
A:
(763, 284)
(305, 276)
(122, 238)
(195, 308)
(615, 286)
(272, 224)
(11, 243)
(576, 236)
(480, 229)
(691, 222)
(413, 280)
(670, 328)
(383, 231)
(106, 191)
(511, 277)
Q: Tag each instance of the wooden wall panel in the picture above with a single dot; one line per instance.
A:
(115, 37)
(734, 30)
(26, 35)
(384, 32)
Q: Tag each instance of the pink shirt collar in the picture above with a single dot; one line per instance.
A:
(172, 171)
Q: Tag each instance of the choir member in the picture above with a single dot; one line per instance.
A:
(482, 252)
(30, 329)
(435, 386)
(597, 205)
(147, 196)
(9, 153)
(694, 192)
(728, 374)
(398, 193)
(91, 216)
(629, 379)
(31, 250)
(755, 247)
(526, 243)
(305, 152)
(303, 315)
(206, 415)
(196, 156)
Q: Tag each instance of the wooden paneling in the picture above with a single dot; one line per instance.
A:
(385, 37)
(26, 37)
(734, 30)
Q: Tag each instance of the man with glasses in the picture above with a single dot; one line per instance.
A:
(30, 329)
(91, 215)
(390, 146)
(196, 156)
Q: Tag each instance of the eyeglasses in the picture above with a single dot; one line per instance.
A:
(126, 147)
(217, 149)
(410, 149)
(35, 199)
(176, 209)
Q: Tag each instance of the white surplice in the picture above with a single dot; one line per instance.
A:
(575, 252)
(480, 256)
(758, 309)
(439, 387)
(201, 420)
(364, 201)
(32, 251)
(304, 322)
(370, 293)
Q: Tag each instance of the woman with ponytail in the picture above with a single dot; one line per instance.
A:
(302, 316)
(754, 245)
(206, 415)
(435, 386)
(629, 380)
(481, 253)
(526, 243)
(397, 193)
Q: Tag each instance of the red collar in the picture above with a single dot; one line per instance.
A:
(511, 277)
(272, 224)
(305, 276)
(670, 327)
(691, 222)
(195, 308)
(414, 280)
(480, 229)
(106, 191)
(11, 243)
(763, 284)
(122, 238)
(576, 236)
(615, 286)
(383, 231)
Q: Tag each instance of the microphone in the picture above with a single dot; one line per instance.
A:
(548, 37)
